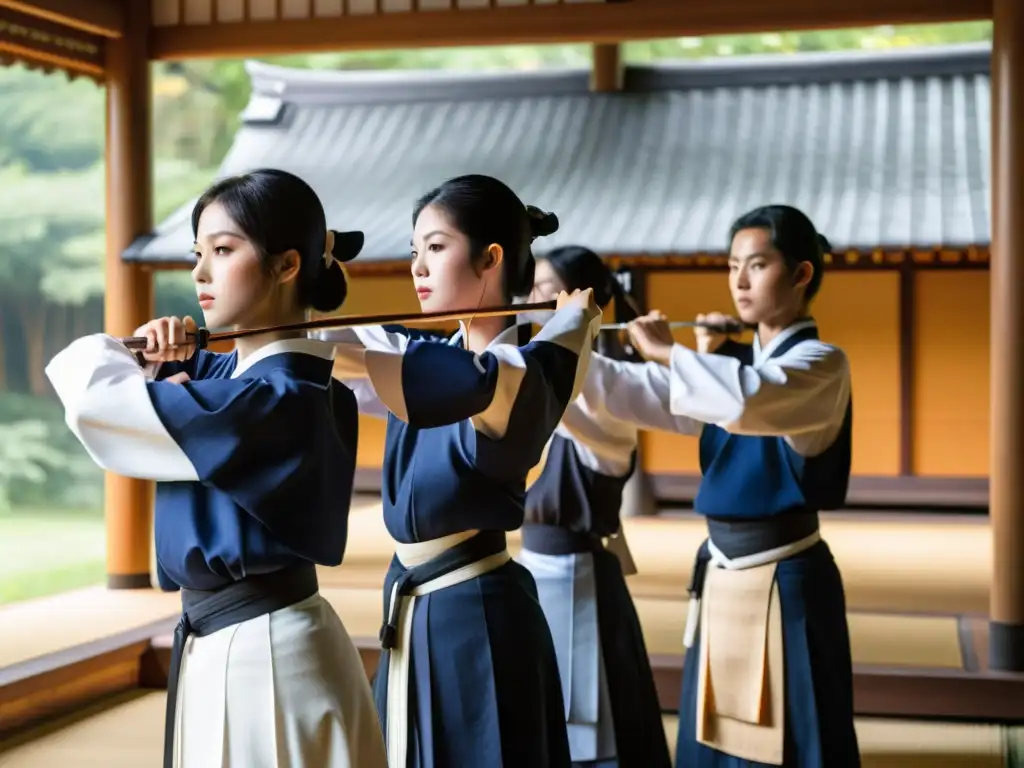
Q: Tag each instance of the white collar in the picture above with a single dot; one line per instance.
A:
(322, 349)
(760, 355)
(509, 336)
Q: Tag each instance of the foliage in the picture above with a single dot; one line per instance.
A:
(41, 462)
(809, 40)
(25, 457)
(52, 237)
(49, 124)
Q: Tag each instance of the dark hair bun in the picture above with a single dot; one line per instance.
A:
(542, 223)
(330, 286)
(347, 245)
(824, 244)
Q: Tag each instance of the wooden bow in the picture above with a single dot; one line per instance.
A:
(203, 337)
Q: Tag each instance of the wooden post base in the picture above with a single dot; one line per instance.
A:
(128, 581)
(1006, 647)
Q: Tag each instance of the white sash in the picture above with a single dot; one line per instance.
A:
(412, 555)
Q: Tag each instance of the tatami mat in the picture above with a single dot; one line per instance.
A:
(902, 564)
(128, 733)
(890, 561)
(875, 639)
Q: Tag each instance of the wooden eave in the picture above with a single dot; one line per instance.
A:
(46, 44)
(526, 23)
(104, 18)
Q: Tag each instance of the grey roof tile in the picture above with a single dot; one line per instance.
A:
(882, 150)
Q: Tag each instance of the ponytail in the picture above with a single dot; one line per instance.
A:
(625, 308)
(613, 344)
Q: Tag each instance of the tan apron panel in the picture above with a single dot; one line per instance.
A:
(741, 677)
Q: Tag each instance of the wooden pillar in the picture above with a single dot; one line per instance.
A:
(128, 300)
(1006, 633)
(606, 68)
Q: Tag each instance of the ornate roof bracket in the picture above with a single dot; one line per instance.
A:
(46, 45)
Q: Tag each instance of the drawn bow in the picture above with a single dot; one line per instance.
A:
(204, 337)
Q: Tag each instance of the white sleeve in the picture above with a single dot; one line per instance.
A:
(350, 361)
(108, 408)
(637, 393)
(801, 395)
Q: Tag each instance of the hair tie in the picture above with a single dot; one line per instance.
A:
(329, 259)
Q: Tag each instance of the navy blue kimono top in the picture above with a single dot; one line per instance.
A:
(464, 429)
(586, 466)
(775, 422)
(254, 461)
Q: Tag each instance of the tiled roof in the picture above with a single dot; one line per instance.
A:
(883, 150)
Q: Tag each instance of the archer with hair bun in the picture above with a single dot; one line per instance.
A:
(469, 675)
(254, 457)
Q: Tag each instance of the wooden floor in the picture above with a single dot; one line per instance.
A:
(897, 569)
(127, 733)
(907, 578)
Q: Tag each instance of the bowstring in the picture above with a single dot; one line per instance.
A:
(469, 323)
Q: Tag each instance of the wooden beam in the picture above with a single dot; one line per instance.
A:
(554, 23)
(41, 43)
(97, 17)
(128, 299)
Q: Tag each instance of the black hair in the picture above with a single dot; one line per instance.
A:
(486, 211)
(793, 235)
(278, 212)
(580, 268)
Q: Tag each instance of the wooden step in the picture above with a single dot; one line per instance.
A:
(61, 652)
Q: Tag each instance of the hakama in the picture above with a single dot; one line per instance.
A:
(469, 675)
(254, 463)
(573, 546)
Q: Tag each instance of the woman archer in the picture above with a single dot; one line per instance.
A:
(254, 456)
(469, 675)
(572, 543)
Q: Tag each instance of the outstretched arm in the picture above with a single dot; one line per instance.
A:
(351, 347)
(636, 393)
(429, 384)
(215, 431)
(805, 390)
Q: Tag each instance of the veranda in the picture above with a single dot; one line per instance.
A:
(64, 655)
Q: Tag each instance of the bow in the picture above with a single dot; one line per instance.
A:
(204, 337)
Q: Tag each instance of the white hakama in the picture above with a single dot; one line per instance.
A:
(284, 690)
(567, 591)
